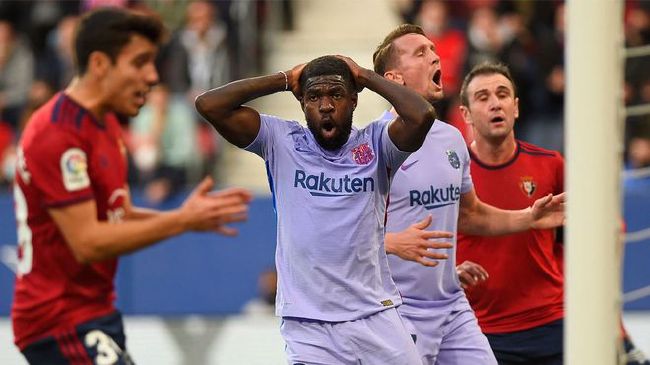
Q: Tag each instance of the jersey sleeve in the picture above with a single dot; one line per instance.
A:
(269, 125)
(393, 156)
(559, 174)
(558, 189)
(58, 166)
(466, 184)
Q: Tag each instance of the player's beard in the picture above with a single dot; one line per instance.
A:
(334, 143)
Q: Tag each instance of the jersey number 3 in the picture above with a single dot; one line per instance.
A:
(25, 248)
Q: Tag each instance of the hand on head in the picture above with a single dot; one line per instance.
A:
(355, 69)
(293, 76)
(293, 79)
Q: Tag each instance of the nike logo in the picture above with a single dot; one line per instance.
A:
(405, 167)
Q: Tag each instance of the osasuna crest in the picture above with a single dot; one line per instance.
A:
(528, 185)
(362, 154)
(454, 161)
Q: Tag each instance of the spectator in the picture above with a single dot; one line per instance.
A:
(163, 143)
(16, 73)
(264, 304)
(546, 127)
(451, 46)
(197, 58)
(56, 65)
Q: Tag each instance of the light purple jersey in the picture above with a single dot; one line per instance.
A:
(430, 181)
(331, 208)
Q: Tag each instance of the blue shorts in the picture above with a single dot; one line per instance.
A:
(98, 341)
(454, 338)
(378, 339)
(541, 345)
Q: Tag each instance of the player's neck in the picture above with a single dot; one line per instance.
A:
(494, 152)
(84, 92)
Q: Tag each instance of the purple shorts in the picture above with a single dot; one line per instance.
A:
(454, 338)
(380, 338)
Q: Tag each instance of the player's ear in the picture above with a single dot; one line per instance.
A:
(467, 116)
(516, 108)
(394, 76)
(99, 63)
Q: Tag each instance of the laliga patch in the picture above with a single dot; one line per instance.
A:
(74, 169)
(528, 186)
(454, 161)
(362, 154)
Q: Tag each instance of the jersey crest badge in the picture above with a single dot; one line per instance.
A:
(74, 169)
(528, 186)
(454, 161)
(362, 154)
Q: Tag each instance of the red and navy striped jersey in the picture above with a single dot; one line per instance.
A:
(66, 156)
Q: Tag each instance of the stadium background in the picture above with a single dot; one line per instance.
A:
(184, 300)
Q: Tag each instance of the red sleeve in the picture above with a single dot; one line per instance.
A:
(559, 174)
(58, 164)
(559, 188)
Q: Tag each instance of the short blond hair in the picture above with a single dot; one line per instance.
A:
(384, 56)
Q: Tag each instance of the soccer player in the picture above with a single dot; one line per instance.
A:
(520, 307)
(432, 192)
(72, 203)
(330, 183)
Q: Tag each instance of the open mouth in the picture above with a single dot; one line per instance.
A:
(437, 78)
(328, 128)
(140, 97)
(497, 120)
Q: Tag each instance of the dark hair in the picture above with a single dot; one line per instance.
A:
(107, 30)
(384, 55)
(327, 65)
(485, 68)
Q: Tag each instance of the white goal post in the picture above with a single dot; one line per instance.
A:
(594, 145)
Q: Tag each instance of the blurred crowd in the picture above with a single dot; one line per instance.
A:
(213, 42)
(209, 43)
(529, 37)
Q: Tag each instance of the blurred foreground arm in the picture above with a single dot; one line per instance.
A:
(93, 240)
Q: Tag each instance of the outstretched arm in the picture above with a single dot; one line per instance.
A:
(416, 115)
(224, 108)
(93, 240)
(478, 218)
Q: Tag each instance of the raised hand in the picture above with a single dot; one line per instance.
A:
(548, 212)
(293, 80)
(414, 243)
(206, 210)
(470, 274)
(355, 69)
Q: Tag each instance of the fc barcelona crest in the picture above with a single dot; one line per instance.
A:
(454, 161)
(528, 186)
(362, 154)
